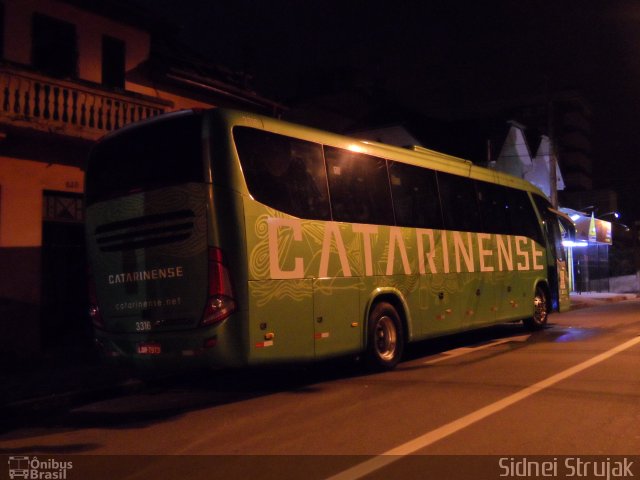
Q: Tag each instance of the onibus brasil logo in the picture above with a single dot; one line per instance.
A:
(33, 468)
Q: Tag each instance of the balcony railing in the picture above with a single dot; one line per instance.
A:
(32, 100)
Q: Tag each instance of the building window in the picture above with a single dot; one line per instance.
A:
(113, 55)
(62, 207)
(54, 46)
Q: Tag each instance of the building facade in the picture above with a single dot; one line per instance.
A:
(72, 71)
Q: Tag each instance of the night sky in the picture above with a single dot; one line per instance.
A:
(443, 58)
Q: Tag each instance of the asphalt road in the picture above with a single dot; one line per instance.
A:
(570, 390)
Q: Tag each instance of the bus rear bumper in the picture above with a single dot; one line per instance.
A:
(169, 351)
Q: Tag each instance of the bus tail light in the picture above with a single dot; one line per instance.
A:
(221, 302)
(94, 309)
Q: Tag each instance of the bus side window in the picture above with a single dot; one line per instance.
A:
(522, 216)
(459, 203)
(284, 173)
(415, 196)
(494, 208)
(359, 186)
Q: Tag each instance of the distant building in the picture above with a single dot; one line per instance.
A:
(568, 115)
(72, 71)
(540, 172)
(515, 159)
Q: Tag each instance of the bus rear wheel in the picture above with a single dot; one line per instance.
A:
(540, 311)
(385, 341)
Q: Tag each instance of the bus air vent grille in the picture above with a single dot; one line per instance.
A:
(146, 231)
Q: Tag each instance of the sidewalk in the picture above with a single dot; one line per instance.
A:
(62, 379)
(592, 299)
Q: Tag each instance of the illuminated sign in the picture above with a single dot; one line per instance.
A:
(593, 230)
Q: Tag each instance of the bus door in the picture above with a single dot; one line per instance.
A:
(562, 228)
(558, 273)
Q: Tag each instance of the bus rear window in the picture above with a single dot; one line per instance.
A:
(164, 152)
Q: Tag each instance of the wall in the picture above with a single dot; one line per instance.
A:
(22, 183)
(23, 180)
(89, 27)
(625, 284)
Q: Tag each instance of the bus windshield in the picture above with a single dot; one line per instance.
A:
(158, 154)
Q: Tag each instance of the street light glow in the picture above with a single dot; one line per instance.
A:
(355, 148)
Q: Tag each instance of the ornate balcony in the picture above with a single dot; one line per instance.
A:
(67, 107)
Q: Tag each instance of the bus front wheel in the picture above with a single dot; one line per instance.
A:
(385, 341)
(540, 311)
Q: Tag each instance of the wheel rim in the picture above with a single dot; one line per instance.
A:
(386, 338)
(539, 308)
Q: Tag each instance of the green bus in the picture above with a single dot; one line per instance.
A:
(225, 238)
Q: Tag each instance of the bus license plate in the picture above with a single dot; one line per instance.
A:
(149, 349)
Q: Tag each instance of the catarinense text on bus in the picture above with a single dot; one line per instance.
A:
(506, 253)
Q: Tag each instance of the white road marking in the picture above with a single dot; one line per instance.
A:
(466, 350)
(412, 446)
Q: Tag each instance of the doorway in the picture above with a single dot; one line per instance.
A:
(65, 325)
